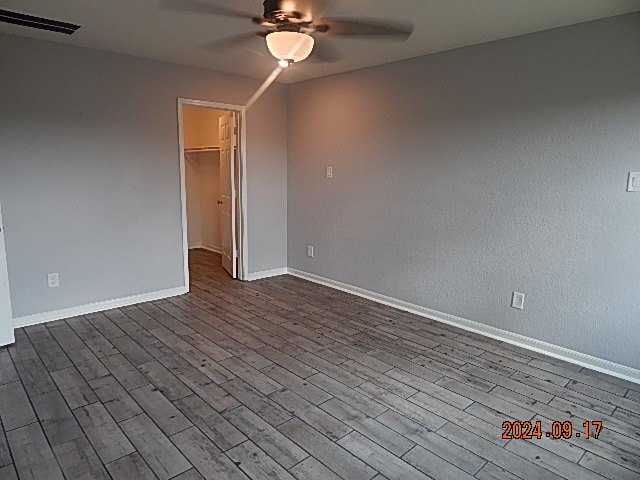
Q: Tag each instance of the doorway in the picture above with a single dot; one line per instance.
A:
(212, 176)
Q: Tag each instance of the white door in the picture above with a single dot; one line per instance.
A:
(6, 319)
(228, 137)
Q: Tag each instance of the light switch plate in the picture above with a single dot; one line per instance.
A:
(329, 172)
(633, 185)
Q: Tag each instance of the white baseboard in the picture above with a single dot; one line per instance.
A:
(211, 248)
(556, 351)
(7, 339)
(265, 274)
(96, 307)
(562, 353)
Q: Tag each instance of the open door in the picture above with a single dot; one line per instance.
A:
(228, 142)
(6, 319)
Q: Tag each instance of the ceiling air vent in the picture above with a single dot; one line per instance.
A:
(16, 18)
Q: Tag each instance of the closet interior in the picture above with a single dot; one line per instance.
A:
(202, 171)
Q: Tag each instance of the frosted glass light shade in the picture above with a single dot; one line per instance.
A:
(292, 46)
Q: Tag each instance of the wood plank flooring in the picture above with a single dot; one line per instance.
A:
(284, 379)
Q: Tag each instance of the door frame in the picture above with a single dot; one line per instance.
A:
(240, 203)
(6, 336)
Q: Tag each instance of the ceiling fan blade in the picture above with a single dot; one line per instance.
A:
(207, 8)
(321, 8)
(224, 44)
(362, 27)
(325, 52)
(263, 22)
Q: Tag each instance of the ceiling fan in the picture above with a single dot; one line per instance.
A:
(291, 35)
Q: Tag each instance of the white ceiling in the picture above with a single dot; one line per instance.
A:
(142, 28)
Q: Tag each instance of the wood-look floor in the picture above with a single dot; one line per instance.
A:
(283, 379)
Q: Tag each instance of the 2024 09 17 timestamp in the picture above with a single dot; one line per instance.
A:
(559, 430)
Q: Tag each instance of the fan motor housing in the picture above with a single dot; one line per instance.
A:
(275, 12)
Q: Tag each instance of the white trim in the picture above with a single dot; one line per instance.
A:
(235, 162)
(96, 307)
(243, 251)
(211, 248)
(6, 315)
(276, 272)
(243, 235)
(201, 149)
(556, 351)
(183, 198)
(206, 247)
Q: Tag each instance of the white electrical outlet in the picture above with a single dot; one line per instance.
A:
(53, 279)
(517, 301)
(310, 251)
(329, 172)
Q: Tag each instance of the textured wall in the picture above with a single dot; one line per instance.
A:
(268, 213)
(89, 171)
(464, 176)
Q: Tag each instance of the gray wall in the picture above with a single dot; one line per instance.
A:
(463, 176)
(89, 171)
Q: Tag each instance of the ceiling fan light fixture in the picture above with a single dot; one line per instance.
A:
(290, 46)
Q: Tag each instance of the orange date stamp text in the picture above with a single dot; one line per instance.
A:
(559, 430)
